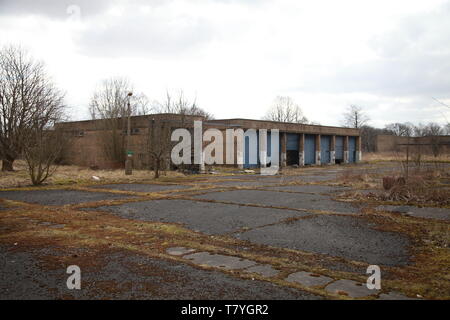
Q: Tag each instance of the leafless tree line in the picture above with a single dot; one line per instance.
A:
(109, 104)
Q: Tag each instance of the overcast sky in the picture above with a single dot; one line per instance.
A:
(235, 56)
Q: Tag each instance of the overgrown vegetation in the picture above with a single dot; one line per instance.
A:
(421, 186)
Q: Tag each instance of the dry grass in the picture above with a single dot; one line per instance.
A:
(422, 187)
(358, 179)
(65, 175)
(400, 156)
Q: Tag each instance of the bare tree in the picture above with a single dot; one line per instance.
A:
(159, 144)
(110, 104)
(355, 117)
(179, 104)
(42, 150)
(29, 102)
(447, 129)
(401, 129)
(284, 109)
(433, 129)
(110, 100)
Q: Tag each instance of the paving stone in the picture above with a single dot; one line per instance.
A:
(307, 279)
(394, 296)
(424, 212)
(139, 187)
(220, 261)
(59, 197)
(179, 251)
(265, 270)
(352, 288)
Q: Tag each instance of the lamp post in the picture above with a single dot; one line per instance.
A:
(128, 161)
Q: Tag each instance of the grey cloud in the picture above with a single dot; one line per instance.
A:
(51, 8)
(58, 8)
(426, 74)
(145, 35)
(413, 59)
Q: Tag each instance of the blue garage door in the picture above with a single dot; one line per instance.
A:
(325, 142)
(310, 149)
(248, 151)
(351, 149)
(339, 148)
(251, 151)
(292, 141)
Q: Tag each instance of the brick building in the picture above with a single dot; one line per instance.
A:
(300, 144)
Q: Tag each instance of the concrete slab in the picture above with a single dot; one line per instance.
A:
(219, 261)
(138, 187)
(342, 236)
(179, 251)
(264, 270)
(308, 279)
(310, 188)
(282, 199)
(206, 217)
(352, 288)
(424, 212)
(59, 197)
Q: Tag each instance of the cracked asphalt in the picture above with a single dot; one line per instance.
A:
(286, 216)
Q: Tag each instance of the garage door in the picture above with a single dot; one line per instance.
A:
(310, 149)
(339, 148)
(351, 149)
(292, 149)
(251, 151)
(325, 142)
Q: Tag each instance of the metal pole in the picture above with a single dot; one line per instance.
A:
(128, 161)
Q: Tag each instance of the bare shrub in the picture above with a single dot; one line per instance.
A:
(41, 152)
(390, 182)
(421, 187)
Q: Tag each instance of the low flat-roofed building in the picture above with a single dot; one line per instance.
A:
(102, 143)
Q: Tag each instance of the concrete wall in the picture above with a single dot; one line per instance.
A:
(425, 145)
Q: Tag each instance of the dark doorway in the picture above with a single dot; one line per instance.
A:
(291, 157)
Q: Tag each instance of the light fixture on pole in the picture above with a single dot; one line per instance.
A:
(129, 154)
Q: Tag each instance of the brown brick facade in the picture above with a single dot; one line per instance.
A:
(87, 138)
